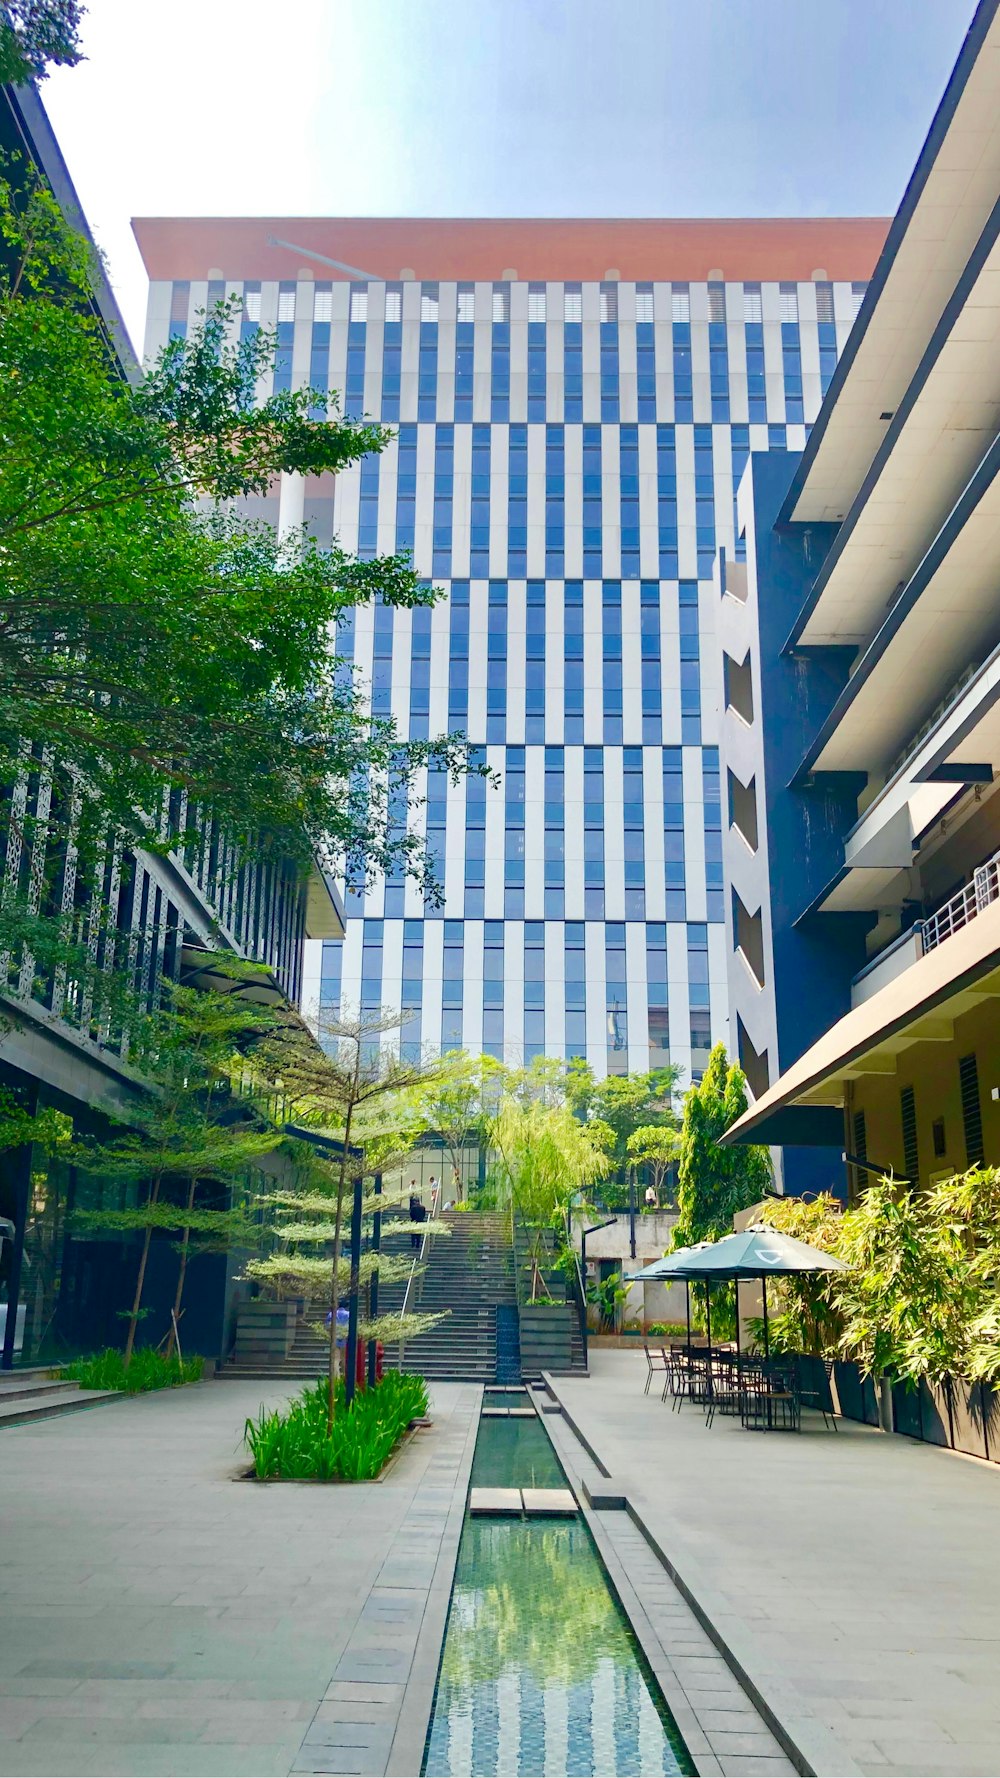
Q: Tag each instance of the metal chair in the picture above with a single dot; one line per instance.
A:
(678, 1379)
(657, 1359)
(770, 1400)
(815, 1397)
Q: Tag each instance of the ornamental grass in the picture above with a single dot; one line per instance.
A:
(296, 1445)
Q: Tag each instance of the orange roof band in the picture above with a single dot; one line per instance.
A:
(444, 248)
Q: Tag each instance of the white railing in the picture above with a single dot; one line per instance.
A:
(963, 907)
(419, 1255)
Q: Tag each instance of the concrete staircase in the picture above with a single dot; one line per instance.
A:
(37, 1395)
(469, 1272)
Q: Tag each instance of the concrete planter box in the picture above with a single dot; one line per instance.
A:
(265, 1331)
(935, 1414)
(858, 1400)
(546, 1331)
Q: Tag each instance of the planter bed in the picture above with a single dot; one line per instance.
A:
(296, 1446)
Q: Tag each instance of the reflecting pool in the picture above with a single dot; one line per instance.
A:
(541, 1675)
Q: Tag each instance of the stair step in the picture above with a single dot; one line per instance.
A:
(67, 1400)
(18, 1386)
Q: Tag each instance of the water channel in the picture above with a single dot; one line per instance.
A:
(541, 1675)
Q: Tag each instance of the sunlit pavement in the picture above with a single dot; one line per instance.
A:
(158, 1616)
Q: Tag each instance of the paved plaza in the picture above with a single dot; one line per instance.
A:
(157, 1616)
(855, 1578)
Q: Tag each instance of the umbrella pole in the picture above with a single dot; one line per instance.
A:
(687, 1299)
(708, 1315)
(736, 1290)
(767, 1346)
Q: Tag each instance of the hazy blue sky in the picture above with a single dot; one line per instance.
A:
(497, 107)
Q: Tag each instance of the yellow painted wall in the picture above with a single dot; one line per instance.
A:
(932, 1071)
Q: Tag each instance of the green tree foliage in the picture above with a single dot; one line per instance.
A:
(457, 1100)
(36, 35)
(545, 1155)
(715, 1182)
(150, 635)
(921, 1297)
(190, 1130)
(352, 1087)
(623, 1104)
(654, 1148)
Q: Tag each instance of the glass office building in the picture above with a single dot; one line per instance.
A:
(569, 438)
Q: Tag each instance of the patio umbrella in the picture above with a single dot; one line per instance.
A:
(756, 1252)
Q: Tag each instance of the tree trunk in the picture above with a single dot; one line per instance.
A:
(141, 1279)
(334, 1275)
(181, 1275)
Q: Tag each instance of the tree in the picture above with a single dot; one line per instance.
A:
(457, 1099)
(152, 639)
(910, 1296)
(335, 1087)
(544, 1156)
(190, 1130)
(624, 1103)
(654, 1147)
(714, 1183)
(805, 1316)
(37, 34)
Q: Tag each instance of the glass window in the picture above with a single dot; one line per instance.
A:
(824, 302)
(643, 303)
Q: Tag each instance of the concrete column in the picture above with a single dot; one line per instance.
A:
(292, 505)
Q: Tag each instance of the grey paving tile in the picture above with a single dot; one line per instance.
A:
(845, 1632)
(373, 1665)
(388, 1694)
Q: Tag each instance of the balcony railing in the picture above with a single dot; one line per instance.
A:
(963, 907)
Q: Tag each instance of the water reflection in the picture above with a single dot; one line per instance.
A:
(541, 1674)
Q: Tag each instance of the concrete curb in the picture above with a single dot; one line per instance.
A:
(406, 1755)
(812, 1748)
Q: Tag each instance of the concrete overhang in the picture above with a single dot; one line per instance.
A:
(918, 1006)
(943, 212)
(325, 914)
(943, 622)
(204, 968)
(932, 447)
(75, 1071)
(958, 748)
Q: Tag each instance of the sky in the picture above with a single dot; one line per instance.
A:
(495, 108)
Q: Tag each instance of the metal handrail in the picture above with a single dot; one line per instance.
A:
(421, 1250)
(963, 907)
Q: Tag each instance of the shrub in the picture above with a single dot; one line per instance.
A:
(296, 1445)
(147, 1370)
(665, 1329)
